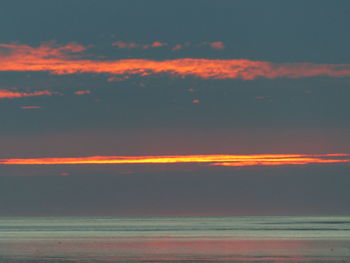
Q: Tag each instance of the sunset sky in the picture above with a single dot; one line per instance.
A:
(174, 107)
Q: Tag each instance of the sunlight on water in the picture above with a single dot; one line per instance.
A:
(175, 239)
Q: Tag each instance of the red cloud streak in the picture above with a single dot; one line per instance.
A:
(122, 44)
(217, 45)
(82, 92)
(7, 94)
(216, 160)
(62, 60)
(30, 107)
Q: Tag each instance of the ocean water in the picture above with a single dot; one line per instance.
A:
(175, 239)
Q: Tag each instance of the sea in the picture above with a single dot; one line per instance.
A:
(175, 239)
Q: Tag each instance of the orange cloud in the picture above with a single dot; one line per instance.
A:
(115, 79)
(30, 107)
(217, 45)
(216, 160)
(180, 46)
(7, 94)
(176, 47)
(45, 50)
(64, 60)
(82, 92)
(158, 44)
(131, 45)
(122, 44)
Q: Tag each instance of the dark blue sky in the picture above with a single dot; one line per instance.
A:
(166, 114)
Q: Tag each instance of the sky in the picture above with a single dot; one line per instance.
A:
(174, 108)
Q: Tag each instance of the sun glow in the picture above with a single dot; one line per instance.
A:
(213, 160)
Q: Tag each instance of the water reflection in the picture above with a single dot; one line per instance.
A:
(174, 239)
(100, 249)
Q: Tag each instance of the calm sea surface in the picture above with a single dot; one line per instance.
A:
(175, 239)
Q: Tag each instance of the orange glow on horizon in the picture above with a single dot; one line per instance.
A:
(214, 160)
(65, 60)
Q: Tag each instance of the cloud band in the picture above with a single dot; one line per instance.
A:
(215, 160)
(65, 60)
